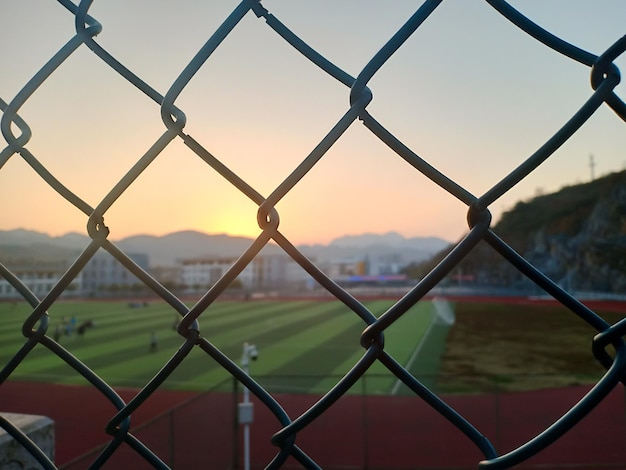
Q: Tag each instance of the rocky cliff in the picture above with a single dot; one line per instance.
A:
(576, 236)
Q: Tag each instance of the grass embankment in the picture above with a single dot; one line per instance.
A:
(518, 347)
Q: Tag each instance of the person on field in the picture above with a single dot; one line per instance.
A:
(153, 342)
(83, 327)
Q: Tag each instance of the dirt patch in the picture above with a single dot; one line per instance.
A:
(518, 346)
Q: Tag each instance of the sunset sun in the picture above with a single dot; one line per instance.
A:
(234, 221)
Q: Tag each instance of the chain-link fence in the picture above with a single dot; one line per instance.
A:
(608, 345)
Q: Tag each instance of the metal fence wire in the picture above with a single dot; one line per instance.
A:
(17, 134)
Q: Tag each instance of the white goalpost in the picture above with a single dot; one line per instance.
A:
(444, 313)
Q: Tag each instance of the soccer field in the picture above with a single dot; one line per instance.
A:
(304, 346)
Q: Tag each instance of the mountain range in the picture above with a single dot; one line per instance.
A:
(23, 245)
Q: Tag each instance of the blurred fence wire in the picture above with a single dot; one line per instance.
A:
(608, 345)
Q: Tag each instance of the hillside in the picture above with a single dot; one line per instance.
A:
(576, 236)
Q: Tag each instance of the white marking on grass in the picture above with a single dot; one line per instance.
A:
(417, 350)
(443, 314)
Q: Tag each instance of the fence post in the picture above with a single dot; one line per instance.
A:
(172, 438)
(235, 424)
(496, 393)
(365, 426)
(39, 429)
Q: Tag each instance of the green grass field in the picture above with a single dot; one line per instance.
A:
(304, 346)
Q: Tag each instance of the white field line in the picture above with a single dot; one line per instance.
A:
(409, 364)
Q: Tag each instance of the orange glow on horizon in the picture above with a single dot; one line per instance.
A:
(233, 224)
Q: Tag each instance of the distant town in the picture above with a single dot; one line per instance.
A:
(368, 260)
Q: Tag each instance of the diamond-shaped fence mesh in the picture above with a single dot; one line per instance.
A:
(608, 345)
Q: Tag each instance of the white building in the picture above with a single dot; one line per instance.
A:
(40, 278)
(104, 275)
(202, 273)
(265, 272)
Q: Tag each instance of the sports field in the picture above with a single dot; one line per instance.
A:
(304, 346)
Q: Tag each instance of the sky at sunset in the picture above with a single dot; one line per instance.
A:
(469, 92)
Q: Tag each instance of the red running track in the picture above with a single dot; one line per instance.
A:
(371, 432)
